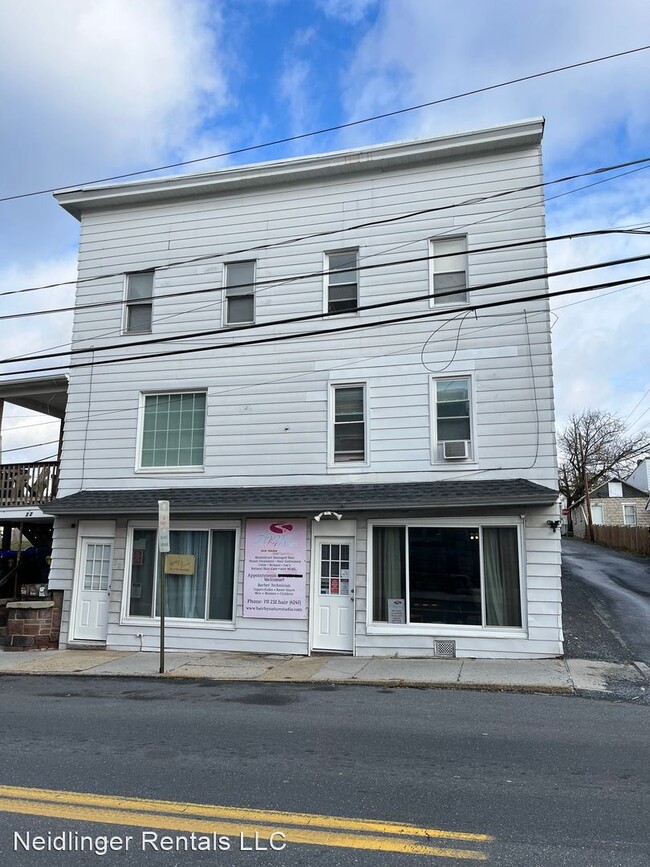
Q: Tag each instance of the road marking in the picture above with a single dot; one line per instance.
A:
(175, 816)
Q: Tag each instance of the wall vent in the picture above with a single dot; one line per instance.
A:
(444, 649)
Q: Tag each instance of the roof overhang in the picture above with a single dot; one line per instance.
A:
(46, 394)
(304, 499)
(526, 133)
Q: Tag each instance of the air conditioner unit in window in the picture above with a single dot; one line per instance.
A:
(455, 450)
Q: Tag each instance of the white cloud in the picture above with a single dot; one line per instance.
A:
(108, 83)
(350, 11)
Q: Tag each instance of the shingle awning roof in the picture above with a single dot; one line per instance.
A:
(483, 493)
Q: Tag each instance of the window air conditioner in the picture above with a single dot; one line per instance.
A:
(455, 450)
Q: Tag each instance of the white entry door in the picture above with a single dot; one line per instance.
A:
(334, 596)
(91, 620)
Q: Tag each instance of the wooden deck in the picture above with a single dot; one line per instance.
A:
(28, 484)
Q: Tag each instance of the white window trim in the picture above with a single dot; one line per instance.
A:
(125, 301)
(185, 622)
(432, 262)
(326, 268)
(450, 629)
(224, 290)
(347, 466)
(140, 433)
(457, 465)
(636, 515)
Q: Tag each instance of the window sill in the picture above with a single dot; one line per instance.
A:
(455, 465)
(437, 630)
(348, 467)
(169, 471)
(185, 622)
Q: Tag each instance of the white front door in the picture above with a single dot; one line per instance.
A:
(334, 595)
(91, 620)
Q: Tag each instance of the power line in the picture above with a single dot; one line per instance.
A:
(34, 446)
(325, 232)
(364, 308)
(401, 320)
(336, 127)
(274, 282)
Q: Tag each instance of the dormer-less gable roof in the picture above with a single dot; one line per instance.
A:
(527, 133)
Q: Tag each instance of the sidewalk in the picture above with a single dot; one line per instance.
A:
(563, 676)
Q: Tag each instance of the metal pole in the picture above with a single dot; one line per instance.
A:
(161, 594)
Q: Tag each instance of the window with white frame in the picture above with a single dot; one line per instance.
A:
(139, 302)
(615, 489)
(205, 593)
(463, 575)
(629, 514)
(449, 270)
(342, 281)
(349, 433)
(239, 303)
(597, 515)
(453, 424)
(173, 430)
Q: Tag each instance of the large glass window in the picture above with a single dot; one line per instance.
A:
(454, 575)
(342, 281)
(173, 430)
(205, 593)
(349, 424)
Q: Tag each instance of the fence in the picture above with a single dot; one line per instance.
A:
(634, 539)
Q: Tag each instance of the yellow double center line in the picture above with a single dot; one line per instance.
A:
(307, 828)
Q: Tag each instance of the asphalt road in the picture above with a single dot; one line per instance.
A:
(606, 603)
(555, 780)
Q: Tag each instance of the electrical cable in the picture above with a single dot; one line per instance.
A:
(365, 225)
(336, 127)
(401, 320)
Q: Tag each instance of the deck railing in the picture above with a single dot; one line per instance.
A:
(28, 484)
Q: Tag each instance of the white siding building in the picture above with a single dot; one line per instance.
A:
(358, 453)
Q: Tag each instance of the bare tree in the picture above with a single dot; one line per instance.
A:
(593, 446)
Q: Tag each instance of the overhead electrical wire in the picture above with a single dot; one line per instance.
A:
(335, 127)
(363, 308)
(401, 320)
(643, 162)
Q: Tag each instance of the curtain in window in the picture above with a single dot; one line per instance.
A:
(389, 573)
(222, 569)
(185, 594)
(501, 576)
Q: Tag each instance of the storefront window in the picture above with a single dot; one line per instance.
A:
(452, 575)
(205, 593)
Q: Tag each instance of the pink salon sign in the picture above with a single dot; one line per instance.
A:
(275, 569)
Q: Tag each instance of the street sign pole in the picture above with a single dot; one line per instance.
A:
(163, 548)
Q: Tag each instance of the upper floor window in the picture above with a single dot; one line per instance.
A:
(239, 303)
(139, 302)
(173, 430)
(349, 424)
(342, 281)
(615, 489)
(453, 424)
(449, 271)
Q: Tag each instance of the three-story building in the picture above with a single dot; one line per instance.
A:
(337, 371)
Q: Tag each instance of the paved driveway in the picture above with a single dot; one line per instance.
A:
(606, 603)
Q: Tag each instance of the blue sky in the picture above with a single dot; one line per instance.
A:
(92, 88)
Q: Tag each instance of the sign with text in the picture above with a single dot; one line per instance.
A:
(275, 576)
(163, 526)
(397, 611)
(179, 564)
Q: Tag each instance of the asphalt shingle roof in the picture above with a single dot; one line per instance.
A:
(480, 493)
